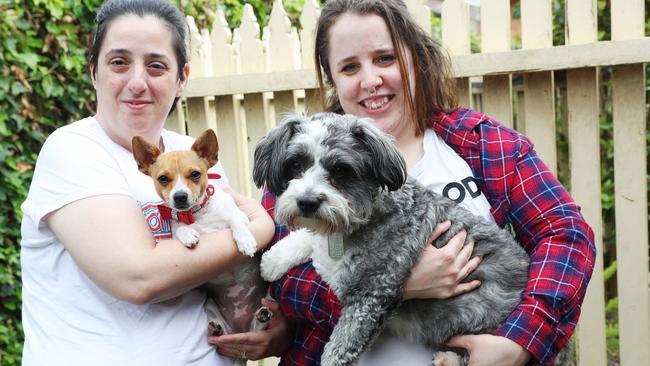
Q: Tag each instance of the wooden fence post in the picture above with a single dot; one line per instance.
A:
(456, 40)
(200, 113)
(584, 127)
(285, 55)
(495, 37)
(630, 168)
(255, 106)
(308, 19)
(233, 151)
(539, 96)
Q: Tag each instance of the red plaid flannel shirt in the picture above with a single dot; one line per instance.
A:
(523, 193)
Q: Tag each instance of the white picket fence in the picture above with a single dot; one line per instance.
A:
(242, 80)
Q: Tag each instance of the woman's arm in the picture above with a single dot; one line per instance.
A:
(110, 241)
(549, 225)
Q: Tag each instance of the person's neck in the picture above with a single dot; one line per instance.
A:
(124, 140)
(411, 148)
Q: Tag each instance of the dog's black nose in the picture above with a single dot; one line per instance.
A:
(180, 200)
(309, 204)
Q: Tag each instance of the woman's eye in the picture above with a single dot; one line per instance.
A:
(163, 179)
(349, 68)
(386, 59)
(117, 62)
(158, 65)
(157, 68)
(195, 175)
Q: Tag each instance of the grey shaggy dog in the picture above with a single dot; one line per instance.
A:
(365, 224)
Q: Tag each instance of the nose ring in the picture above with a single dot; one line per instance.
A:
(373, 91)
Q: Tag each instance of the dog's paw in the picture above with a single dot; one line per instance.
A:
(262, 318)
(188, 236)
(273, 266)
(245, 242)
(447, 358)
(215, 329)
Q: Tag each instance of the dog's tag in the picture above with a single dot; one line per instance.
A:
(335, 246)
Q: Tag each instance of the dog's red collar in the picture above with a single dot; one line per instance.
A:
(187, 217)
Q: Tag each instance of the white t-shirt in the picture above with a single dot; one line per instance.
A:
(68, 320)
(444, 172)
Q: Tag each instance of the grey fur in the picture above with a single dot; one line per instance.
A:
(386, 220)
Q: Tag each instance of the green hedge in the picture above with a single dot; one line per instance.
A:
(44, 84)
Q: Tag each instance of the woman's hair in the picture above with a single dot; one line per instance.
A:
(173, 18)
(435, 89)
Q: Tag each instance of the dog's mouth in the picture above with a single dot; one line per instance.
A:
(320, 226)
(182, 207)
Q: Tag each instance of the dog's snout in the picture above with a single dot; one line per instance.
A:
(181, 199)
(309, 204)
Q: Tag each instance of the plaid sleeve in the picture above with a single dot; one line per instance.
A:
(307, 302)
(549, 225)
(268, 202)
(547, 222)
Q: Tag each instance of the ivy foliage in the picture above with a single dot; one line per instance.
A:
(45, 84)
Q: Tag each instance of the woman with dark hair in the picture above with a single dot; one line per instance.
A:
(103, 282)
(378, 63)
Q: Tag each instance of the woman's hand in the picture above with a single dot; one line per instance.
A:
(487, 349)
(261, 224)
(247, 205)
(439, 272)
(272, 341)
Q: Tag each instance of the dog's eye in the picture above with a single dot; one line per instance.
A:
(293, 169)
(195, 175)
(340, 171)
(163, 179)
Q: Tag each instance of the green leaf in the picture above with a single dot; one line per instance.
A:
(17, 88)
(3, 128)
(48, 86)
(56, 8)
(30, 59)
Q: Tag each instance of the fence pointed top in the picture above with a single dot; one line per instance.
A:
(308, 19)
(220, 29)
(197, 62)
(251, 50)
(191, 24)
(310, 14)
(249, 25)
(279, 21)
(283, 44)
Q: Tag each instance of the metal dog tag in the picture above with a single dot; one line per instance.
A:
(335, 246)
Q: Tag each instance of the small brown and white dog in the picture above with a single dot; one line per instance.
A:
(197, 207)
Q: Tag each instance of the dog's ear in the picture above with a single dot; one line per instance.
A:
(206, 146)
(386, 162)
(270, 153)
(145, 153)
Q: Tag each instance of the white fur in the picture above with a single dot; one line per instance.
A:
(294, 249)
(220, 212)
(299, 247)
